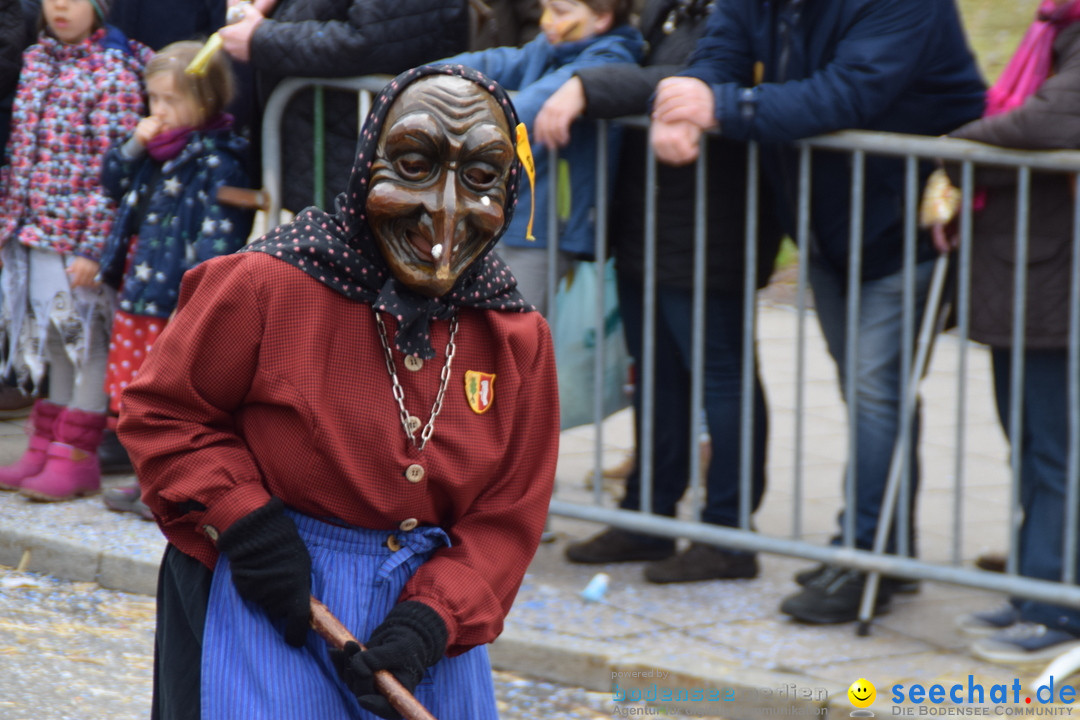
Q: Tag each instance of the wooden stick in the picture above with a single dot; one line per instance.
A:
(331, 629)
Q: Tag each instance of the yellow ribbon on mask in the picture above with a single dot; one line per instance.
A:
(524, 153)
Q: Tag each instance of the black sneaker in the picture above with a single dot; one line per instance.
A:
(833, 597)
(805, 577)
(898, 585)
(614, 545)
(703, 562)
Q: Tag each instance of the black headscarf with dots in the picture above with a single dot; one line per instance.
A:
(340, 251)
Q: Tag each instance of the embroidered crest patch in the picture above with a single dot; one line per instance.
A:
(480, 390)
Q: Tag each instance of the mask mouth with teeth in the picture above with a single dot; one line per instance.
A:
(432, 190)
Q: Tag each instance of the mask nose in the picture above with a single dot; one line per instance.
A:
(444, 223)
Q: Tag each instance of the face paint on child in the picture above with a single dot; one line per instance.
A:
(570, 20)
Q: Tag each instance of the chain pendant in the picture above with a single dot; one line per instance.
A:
(409, 423)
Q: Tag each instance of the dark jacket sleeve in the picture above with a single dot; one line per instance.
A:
(621, 89)
(873, 63)
(12, 43)
(1049, 119)
(376, 36)
(626, 88)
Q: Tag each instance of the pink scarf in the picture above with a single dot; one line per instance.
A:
(167, 145)
(1030, 65)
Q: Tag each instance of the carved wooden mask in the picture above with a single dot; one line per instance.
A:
(439, 181)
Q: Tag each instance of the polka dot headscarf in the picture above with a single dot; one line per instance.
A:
(340, 251)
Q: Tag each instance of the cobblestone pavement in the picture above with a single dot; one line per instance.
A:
(75, 651)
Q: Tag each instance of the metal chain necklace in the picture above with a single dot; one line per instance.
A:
(399, 392)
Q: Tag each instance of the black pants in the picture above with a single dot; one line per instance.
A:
(182, 596)
(673, 428)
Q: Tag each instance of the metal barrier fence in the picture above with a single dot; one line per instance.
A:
(858, 145)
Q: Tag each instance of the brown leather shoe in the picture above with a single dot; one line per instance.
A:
(991, 561)
(703, 562)
(614, 545)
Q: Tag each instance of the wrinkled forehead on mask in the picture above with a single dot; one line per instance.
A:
(448, 105)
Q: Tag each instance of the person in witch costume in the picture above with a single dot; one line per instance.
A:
(358, 406)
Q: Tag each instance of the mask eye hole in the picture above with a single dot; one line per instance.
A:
(413, 166)
(480, 176)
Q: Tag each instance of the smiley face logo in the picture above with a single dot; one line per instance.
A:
(862, 693)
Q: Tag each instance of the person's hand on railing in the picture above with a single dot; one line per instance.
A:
(682, 112)
(675, 143)
(567, 104)
(686, 99)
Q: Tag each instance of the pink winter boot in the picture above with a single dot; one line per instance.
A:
(71, 463)
(40, 428)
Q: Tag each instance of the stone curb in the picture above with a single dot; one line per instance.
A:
(78, 563)
(746, 694)
(545, 655)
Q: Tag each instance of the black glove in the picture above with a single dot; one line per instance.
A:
(412, 637)
(271, 567)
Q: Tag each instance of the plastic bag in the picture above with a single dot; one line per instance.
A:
(575, 338)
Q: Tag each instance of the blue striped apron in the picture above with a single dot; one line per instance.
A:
(249, 672)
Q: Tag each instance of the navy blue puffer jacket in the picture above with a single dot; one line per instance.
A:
(173, 209)
(890, 65)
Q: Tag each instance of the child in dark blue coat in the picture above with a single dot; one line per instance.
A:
(167, 177)
(575, 34)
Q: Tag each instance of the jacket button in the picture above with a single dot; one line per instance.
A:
(407, 525)
(413, 363)
(414, 423)
(414, 473)
(392, 543)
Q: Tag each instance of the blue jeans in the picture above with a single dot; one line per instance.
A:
(1044, 454)
(877, 382)
(673, 428)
